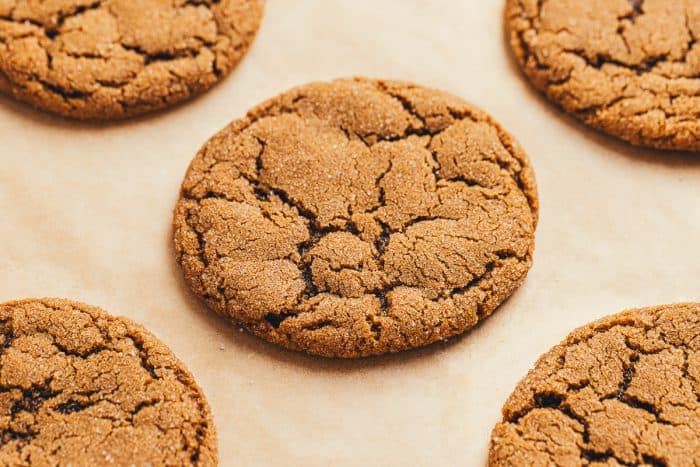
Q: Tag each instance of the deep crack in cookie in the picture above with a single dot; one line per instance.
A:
(111, 59)
(80, 387)
(624, 390)
(357, 217)
(630, 68)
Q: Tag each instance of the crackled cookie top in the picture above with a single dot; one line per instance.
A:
(628, 67)
(109, 59)
(357, 217)
(80, 387)
(624, 390)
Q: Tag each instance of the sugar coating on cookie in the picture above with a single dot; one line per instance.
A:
(624, 390)
(628, 67)
(81, 387)
(357, 217)
(110, 59)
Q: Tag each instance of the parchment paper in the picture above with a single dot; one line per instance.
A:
(86, 214)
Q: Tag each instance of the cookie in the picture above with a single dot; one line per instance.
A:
(357, 217)
(81, 387)
(624, 390)
(111, 59)
(630, 68)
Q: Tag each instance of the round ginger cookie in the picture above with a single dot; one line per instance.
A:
(624, 390)
(80, 387)
(630, 68)
(112, 59)
(357, 217)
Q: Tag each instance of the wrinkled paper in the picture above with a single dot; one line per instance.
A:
(87, 209)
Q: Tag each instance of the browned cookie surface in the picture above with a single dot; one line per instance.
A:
(110, 59)
(80, 387)
(624, 390)
(357, 217)
(628, 67)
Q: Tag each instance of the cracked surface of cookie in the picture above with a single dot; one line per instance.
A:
(624, 390)
(111, 59)
(357, 217)
(628, 67)
(80, 387)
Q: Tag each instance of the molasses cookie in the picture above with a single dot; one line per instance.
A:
(81, 387)
(110, 59)
(630, 68)
(357, 217)
(624, 390)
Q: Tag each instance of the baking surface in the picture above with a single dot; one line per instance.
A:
(86, 215)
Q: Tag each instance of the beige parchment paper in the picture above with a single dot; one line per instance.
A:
(85, 213)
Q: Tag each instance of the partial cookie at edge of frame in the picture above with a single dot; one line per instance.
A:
(80, 386)
(112, 59)
(630, 68)
(624, 389)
